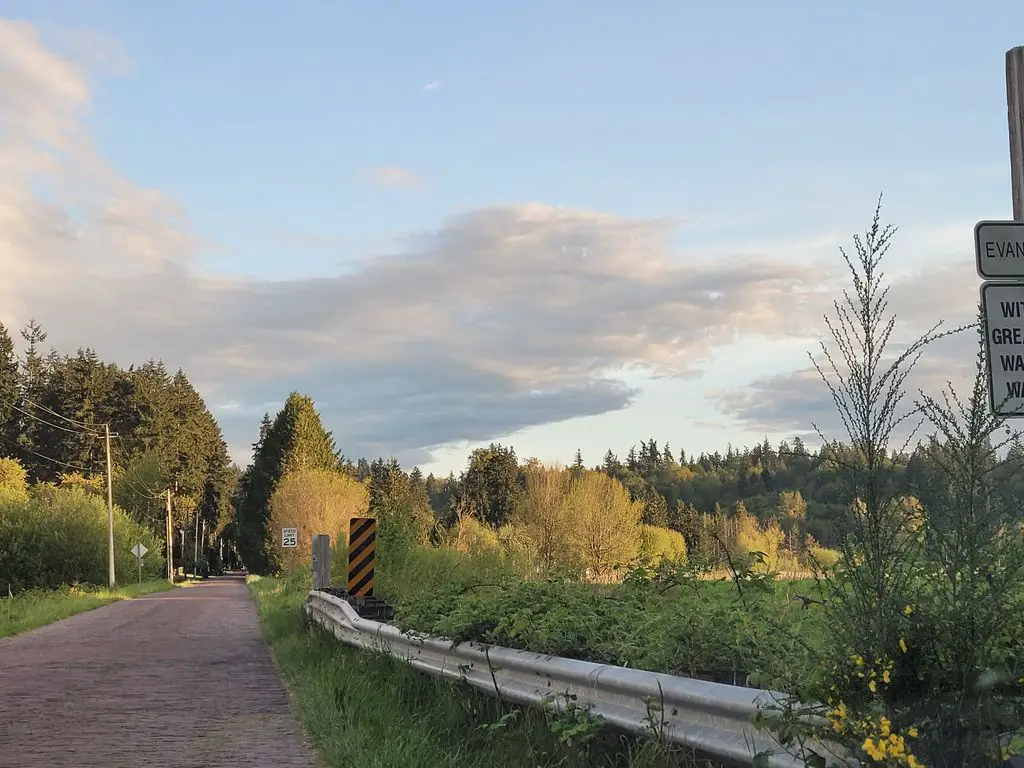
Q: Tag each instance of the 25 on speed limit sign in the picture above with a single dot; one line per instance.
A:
(289, 537)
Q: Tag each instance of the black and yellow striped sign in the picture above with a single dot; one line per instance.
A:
(362, 555)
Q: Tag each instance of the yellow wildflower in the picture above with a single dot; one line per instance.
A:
(885, 677)
(907, 610)
(897, 746)
(912, 731)
(872, 687)
(874, 751)
(913, 762)
(885, 726)
(903, 645)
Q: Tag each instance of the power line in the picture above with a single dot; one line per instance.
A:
(131, 483)
(60, 415)
(48, 423)
(76, 467)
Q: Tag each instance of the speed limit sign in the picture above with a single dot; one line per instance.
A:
(289, 538)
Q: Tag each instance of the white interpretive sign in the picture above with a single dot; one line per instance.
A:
(289, 538)
(1003, 307)
(999, 248)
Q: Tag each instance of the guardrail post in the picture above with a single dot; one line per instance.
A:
(321, 561)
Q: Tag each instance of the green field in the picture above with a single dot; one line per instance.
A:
(35, 608)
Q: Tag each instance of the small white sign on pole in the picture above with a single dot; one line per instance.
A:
(999, 249)
(139, 550)
(289, 538)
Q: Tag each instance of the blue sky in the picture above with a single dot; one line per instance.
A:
(761, 131)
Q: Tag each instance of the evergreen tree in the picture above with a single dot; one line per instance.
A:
(295, 440)
(577, 465)
(655, 510)
(611, 463)
(33, 391)
(489, 486)
(631, 459)
(10, 379)
(362, 469)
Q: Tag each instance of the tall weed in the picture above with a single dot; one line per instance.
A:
(921, 663)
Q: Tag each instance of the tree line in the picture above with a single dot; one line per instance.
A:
(784, 498)
(804, 490)
(54, 411)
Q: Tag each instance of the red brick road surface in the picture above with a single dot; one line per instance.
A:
(181, 679)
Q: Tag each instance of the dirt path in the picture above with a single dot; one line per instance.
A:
(181, 679)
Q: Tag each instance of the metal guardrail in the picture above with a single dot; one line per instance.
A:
(711, 718)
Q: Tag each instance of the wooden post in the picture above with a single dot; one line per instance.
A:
(321, 561)
(1015, 116)
(111, 580)
(169, 536)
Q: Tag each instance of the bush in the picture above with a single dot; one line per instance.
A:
(471, 536)
(822, 557)
(59, 536)
(314, 501)
(603, 523)
(657, 544)
(13, 480)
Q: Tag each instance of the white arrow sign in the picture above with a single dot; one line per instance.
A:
(139, 550)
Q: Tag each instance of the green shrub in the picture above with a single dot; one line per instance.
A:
(657, 544)
(13, 479)
(59, 536)
(822, 557)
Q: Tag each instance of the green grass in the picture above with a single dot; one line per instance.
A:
(368, 710)
(35, 608)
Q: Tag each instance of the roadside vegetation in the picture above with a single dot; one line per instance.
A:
(54, 534)
(922, 662)
(54, 411)
(36, 607)
(363, 709)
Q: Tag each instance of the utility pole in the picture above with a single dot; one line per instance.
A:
(1015, 115)
(195, 565)
(110, 513)
(169, 535)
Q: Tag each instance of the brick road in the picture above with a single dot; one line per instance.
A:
(179, 679)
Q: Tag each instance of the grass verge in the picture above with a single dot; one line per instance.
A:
(35, 607)
(369, 710)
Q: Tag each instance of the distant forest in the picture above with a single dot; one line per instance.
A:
(676, 487)
(53, 408)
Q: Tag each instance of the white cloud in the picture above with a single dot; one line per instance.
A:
(791, 402)
(433, 85)
(393, 178)
(490, 323)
